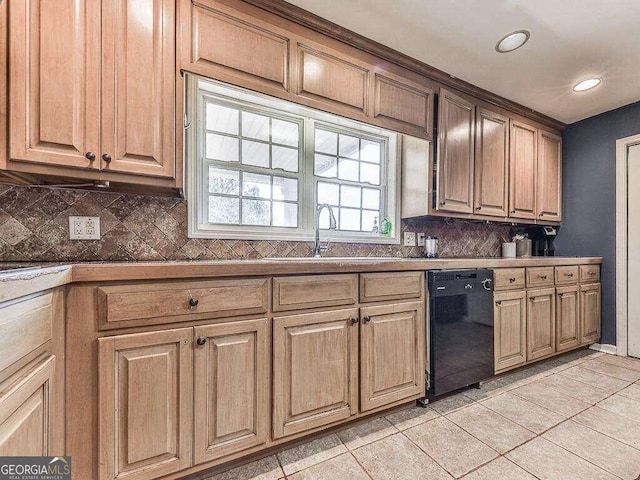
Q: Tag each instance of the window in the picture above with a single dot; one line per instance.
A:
(258, 167)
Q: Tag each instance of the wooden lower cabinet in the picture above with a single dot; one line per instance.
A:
(590, 313)
(510, 329)
(541, 323)
(145, 406)
(567, 318)
(392, 353)
(315, 370)
(27, 414)
(231, 388)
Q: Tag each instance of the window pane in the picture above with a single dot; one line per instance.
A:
(370, 173)
(328, 193)
(222, 148)
(349, 146)
(255, 185)
(285, 132)
(349, 219)
(285, 189)
(368, 217)
(224, 181)
(222, 119)
(326, 142)
(285, 214)
(370, 198)
(256, 212)
(255, 126)
(224, 210)
(326, 166)
(285, 158)
(255, 153)
(350, 196)
(348, 170)
(370, 151)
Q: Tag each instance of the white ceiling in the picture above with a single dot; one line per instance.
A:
(570, 40)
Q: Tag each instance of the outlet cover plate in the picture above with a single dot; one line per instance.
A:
(409, 239)
(84, 228)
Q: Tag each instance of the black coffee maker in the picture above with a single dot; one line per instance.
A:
(542, 237)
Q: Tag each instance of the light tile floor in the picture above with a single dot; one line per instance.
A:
(572, 417)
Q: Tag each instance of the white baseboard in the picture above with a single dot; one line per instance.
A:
(605, 348)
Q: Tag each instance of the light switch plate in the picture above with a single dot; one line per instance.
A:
(421, 239)
(84, 228)
(409, 239)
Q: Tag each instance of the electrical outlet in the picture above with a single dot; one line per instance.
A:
(84, 228)
(409, 239)
(421, 239)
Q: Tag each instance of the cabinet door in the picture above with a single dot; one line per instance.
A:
(456, 117)
(567, 318)
(392, 354)
(522, 170)
(549, 183)
(590, 313)
(231, 381)
(510, 329)
(54, 82)
(315, 370)
(332, 78)
(491, 163)
(541, 323)
(146, 398)
(138, 87)
(26, 415)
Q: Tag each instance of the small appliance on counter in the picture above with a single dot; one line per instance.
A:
(543, 238)
(431, 247)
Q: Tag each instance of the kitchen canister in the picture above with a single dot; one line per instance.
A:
(509, 250)
(523, 247)
(431, 247)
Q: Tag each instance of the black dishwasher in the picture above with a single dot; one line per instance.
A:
(461, 328)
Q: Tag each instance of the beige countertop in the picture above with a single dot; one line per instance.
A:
(19, 282)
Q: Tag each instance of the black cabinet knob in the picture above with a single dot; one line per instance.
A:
(90, 156)
(106, 157)
(366, 319)
(193, 302)
(201, 340)
(355, 320)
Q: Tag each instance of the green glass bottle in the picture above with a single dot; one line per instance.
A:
(385, 227)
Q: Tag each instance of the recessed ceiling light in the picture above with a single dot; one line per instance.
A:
(512, 41)
(587, 84)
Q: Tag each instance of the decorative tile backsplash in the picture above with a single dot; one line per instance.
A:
(34, 227)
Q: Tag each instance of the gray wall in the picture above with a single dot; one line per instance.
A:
(589, 196)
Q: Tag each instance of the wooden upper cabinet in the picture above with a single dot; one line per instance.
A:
(227, 44)
(231, 388)
(456, 119)
(54, 82)
(522, 170)
(491, 163)
(392, 354)
(549, 194)
(315, 370)
(138, 87)
(332, 77)
(541, 323)
(510, 329)
(146, 399)
(407, 105)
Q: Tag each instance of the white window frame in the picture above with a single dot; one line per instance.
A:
(195, 179)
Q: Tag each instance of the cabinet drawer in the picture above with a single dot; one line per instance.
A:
(589, 273)
(148, 303)
(539, 276)
(375, 287)
(508, 278)
(568, 274)
(29, 320)
(311, 291)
